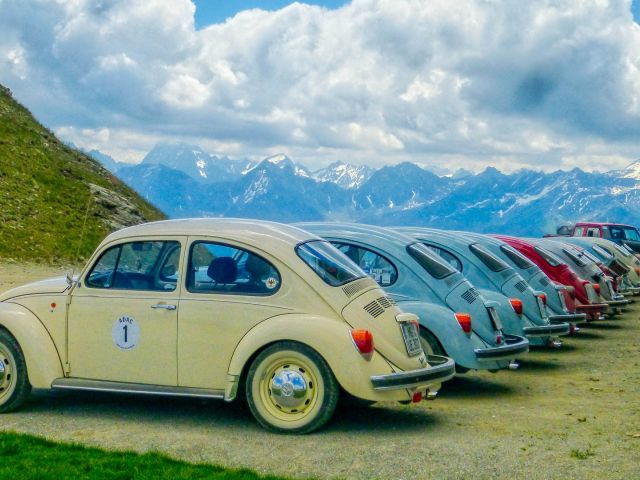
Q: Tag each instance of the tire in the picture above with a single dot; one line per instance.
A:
(430, 344)
(14, 382)
(308, 391)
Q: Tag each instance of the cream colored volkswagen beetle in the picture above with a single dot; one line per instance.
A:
(213, 308)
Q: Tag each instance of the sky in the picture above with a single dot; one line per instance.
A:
(466, 84)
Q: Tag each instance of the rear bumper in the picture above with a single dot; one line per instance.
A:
(618, 303)
(440, 370)
(547, 330)
(513, 345)
(592, 308)
(569, 317)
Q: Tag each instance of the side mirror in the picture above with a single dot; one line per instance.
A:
(69, 278)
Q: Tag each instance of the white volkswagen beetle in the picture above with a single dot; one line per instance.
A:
(211, 308)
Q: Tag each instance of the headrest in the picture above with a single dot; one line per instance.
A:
(223, 270)
(257, 267)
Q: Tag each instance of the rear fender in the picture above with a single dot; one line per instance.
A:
(330, 338)
(43, 361)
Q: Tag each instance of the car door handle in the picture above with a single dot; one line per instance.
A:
(164, 306)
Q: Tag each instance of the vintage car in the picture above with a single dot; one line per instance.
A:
(616, 232)
(617, 258)
(455, 319)
(587, 300)
(213, 308)
(488, 272)
(585, 268)
(555, 297)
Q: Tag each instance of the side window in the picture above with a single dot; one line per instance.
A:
(219, 268)
(579, 232)
(450, 258)
(375, 265)
(137, 266)
(593, 232)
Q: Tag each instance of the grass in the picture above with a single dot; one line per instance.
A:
(27, 457)
(45, 193)
(583, 454)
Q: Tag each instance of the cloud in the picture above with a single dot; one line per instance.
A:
(471, 83)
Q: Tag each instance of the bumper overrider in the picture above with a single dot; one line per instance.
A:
(513, 345)
(440, 369)
(569, 317)
(547, 330)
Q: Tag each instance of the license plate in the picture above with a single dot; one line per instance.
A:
(543, 310)
(495, 318)
(411, 338)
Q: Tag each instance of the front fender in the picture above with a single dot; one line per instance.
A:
(331, 339)
(43, 361)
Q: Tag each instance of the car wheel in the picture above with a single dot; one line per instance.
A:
(291, 389)
(14, 382)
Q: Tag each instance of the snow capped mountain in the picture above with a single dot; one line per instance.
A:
(195, 162)
(344, 175)
(282, 162)
(184, 181)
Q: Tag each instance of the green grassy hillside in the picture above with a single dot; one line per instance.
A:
(48, 191)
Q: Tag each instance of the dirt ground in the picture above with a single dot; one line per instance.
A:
(573, 412)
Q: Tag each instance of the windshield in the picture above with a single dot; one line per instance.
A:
(602, 253)
(434, 265)
(516, 257)
(329, 263)
(489, 259)
(549, 257)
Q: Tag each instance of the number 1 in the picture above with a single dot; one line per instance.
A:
(126, 336)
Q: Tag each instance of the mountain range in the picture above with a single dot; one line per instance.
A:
(185, 181)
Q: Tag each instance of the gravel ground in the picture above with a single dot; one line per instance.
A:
(567, 413)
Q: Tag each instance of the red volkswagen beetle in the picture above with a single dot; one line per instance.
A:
(587, 300)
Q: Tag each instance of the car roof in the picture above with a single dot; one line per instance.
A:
(603, 224)
(374, 234)
(242, 229)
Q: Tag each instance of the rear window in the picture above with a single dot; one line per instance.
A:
(573, 256)
(604, 254)
(549, 257)
(516, 257)
(590, 256)
(435, 266)
(489, 259)
(329, 263)
(623, 249)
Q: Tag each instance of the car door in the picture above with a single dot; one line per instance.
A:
(122, 319)
(228, 290)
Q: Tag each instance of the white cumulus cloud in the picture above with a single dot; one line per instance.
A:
(470, 83)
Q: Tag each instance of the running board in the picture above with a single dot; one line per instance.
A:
(137, 388)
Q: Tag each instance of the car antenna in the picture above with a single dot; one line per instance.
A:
(82, 230)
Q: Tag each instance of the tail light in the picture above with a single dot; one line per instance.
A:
(464, 319)
(637, 270)
(543, 297)
(516, 303)
(363, 340)
(596, 287)
(416, 397)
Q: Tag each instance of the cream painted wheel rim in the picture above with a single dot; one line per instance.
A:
(7, 374)
(289, 388)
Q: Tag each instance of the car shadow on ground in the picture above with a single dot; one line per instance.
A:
(382, 417)
(565, 348)
(462, 386)
(538, 365)
(609, 325)
(586, 335)
(141, 408)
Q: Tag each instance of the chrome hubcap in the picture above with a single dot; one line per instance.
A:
(289, 389)
(6, 374)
